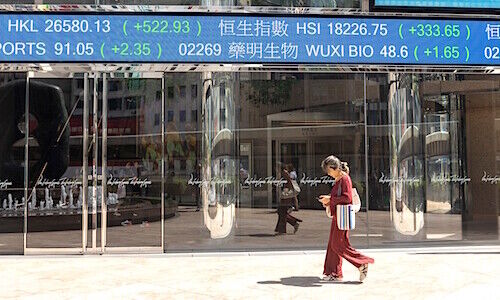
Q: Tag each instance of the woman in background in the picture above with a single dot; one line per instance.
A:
(338, 244)
(293, 176)
(287, 197)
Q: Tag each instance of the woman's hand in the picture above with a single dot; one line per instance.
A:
(324, 199)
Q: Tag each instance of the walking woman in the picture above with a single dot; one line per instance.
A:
(287, 197)
(338, 244)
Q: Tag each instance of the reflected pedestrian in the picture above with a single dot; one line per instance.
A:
(338, 244)
(293, 176)
(287, 196)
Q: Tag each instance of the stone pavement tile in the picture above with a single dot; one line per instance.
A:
(395, 275)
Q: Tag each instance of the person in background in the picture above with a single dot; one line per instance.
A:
(293, 176)
(338, 244)
(285, 201)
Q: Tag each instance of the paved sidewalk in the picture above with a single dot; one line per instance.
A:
(432, 273)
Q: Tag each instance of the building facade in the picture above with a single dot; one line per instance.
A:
(164, 157)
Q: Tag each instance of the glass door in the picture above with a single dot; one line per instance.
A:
(95, 163)
(12, 101)
(57, 162)
(132, 158)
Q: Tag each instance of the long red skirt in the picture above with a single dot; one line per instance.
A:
(339, 247)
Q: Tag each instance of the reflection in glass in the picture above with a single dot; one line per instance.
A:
(55, 164)
(226, 137)
(406, 155)
(134, 163)
(219, 175)
(12, 141)
(444, 186)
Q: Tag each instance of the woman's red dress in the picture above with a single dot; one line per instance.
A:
(338, 244)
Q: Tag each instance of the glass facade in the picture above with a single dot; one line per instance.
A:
(211, 146)
(416, 176)
(189, 160)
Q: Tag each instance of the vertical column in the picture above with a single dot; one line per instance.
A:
(218, 227)
(85, 148)
(406, 162)
(270, 160)
(95, 119)
(365, 120)
(26, 158)
(365, 5)
(163, 99)
(206, 119)
(104, 161)
(219, 161)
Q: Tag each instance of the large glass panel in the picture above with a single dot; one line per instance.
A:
(431, 150)
(256, 124)
(12, 126)
(184, 225)
(293, 121)
(480, 95)
(134, 162)
(443, 144)
(56, 194)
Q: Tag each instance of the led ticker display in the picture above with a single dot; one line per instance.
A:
(247, 39)
(440, 3)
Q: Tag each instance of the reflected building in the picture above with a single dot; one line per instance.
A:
(182, 158)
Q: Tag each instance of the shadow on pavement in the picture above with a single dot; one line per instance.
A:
(305, 281)
(267, 212)
(259, 235)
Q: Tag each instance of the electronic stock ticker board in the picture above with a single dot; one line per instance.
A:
(247, 39)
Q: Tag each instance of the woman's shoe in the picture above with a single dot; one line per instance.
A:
(363, 272)
(295, 228)
(331, 278)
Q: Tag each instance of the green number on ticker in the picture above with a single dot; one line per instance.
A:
(124, 49)
(142, 49)
(177, 26)
(420, 30)
(185, 27)
(162, 26)
(136, 49)
(452, 30)
(429, 30)
(451, 52)
(436, 30)
(448, 52)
